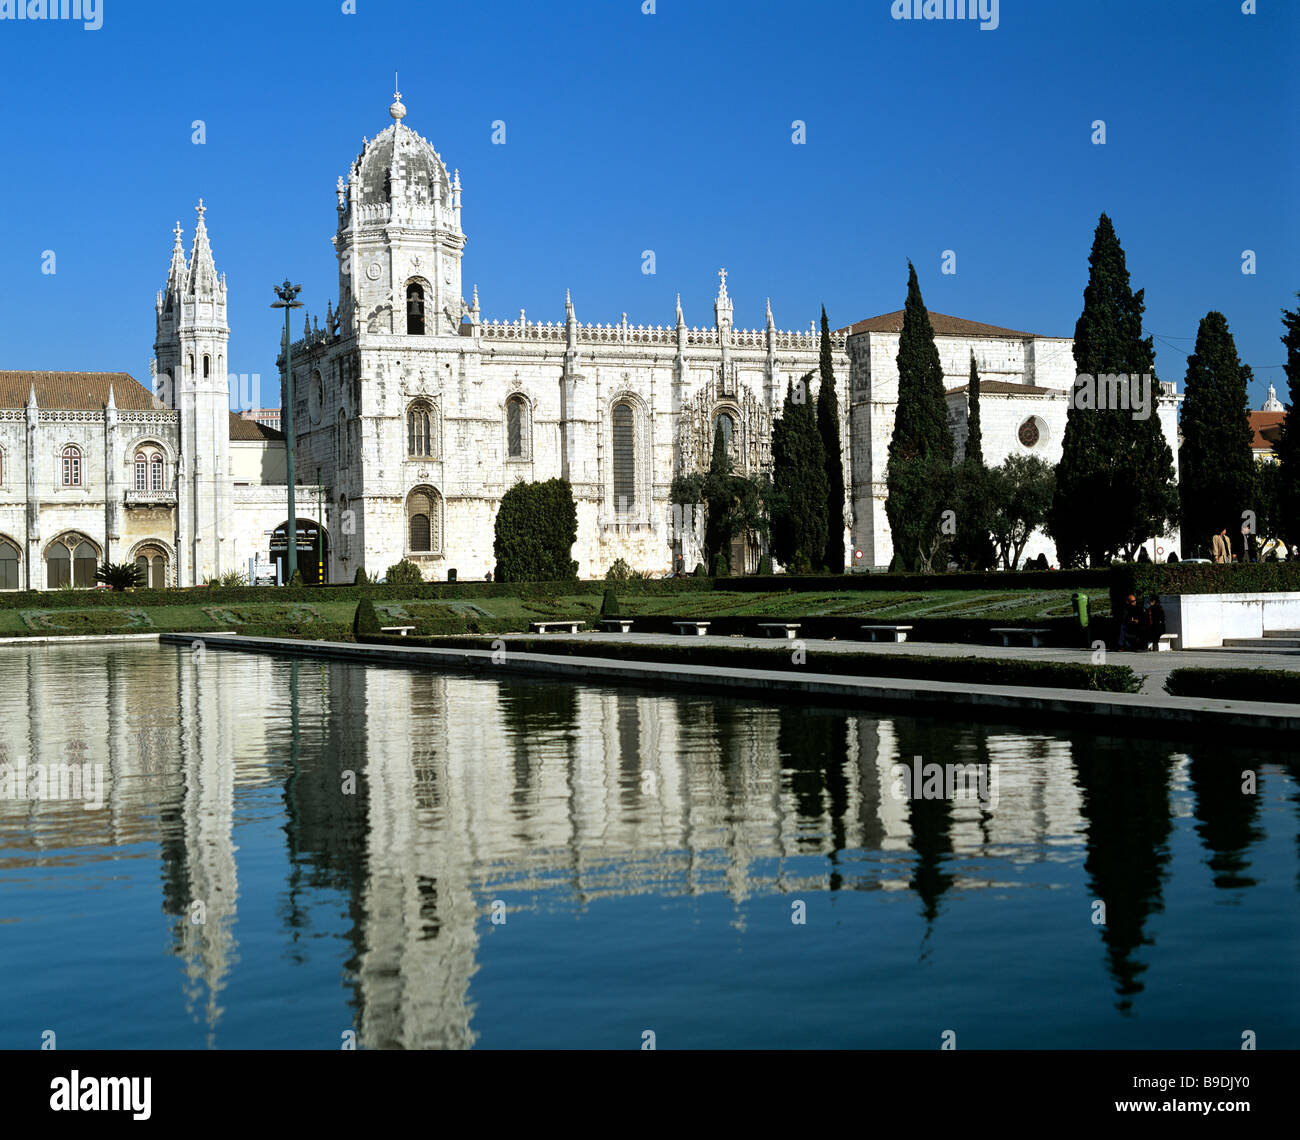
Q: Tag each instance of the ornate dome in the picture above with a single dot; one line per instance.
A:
(397, 164)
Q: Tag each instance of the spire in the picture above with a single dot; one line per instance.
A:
(681, 319)
(769, 314)
(202, 272)
(1272, 404)
(177, 273)
(31, 398)
(569, 315)
(112, 403)
(722, 307)
(397, 110)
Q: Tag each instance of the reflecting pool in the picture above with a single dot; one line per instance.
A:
(225, 850)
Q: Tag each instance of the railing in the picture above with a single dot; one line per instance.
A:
(136, 498)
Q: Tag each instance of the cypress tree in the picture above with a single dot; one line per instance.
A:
(1287, 447)
(1114, 484)
(798, 482)
(717, 534)
(973, 548)
(1215, 460)
(919, 473)
(828, 426)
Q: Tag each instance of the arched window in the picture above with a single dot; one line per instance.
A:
(71, 560)
(728, 426)
(148, 470)
(71, 467)
(8, 566)
(414, 309)
(207, 366)
(517, 428)
(624, 459)
(424, 521)
(419, 431)
(151, 561)
(141, 471)
(189, 364)
(156, 473)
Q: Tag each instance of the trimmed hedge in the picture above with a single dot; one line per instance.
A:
(1275, 685)
(1143, 578)
(968, 670)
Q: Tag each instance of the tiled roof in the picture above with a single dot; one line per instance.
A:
(75, 391)
(942, 324)
(242, 429)
(1003, 388)
(1264, 429)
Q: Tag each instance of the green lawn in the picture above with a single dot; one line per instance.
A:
(315, 609)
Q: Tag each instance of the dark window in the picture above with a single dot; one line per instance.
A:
(83, 565)
(419, 431)
(207, 365)
(515, 428)
(624, 459)
(424, 520)
(58, 567)
(8, 566)
(728, 426)
(420, 536)
(414, 310)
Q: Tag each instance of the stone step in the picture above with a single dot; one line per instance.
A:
(1266, 644)
(1288, 633)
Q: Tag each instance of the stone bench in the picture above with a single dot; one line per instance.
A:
(896, 633)
(787, 629)
(1166, 642)
(546, 626)
(699, 628)
(617, 625)
(1035, 636)
(400, 630)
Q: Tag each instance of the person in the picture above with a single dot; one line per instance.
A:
(1173, 556)
(1251, 546)
(488, 576)
(1155, 622)
(1130, 624)
(1222, 547)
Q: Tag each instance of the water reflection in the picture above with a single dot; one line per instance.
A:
(419, 800)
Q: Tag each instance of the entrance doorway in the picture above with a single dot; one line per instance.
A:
(313, 552)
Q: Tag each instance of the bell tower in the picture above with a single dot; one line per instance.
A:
(190, 376)
(399, 240)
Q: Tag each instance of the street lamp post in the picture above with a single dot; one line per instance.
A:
(287, 295)
(320, 532)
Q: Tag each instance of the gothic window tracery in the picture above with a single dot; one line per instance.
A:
(421, 423)
(424, 521)
(623, 428)
(518, 428)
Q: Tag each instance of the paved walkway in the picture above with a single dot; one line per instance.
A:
(1153, 667)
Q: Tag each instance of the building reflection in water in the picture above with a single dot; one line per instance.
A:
(420, 798)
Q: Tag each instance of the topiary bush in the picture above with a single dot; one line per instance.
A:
(365, 621)
(404, 573)
(609, 606)
(700, 571)
(1273, 685)
(765, 565)
(721, 566)
(361, 578)
(536, 527)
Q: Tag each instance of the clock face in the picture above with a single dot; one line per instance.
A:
(1029, 433)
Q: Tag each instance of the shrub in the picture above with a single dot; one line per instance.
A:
(404, 573)
(721, 567)
(699, 571)
(365, 621)
(296, 580)
(619, 571)
(1202, 578)
(765, 566)
(536, 527)
(1274, 685)
(609, 606)
(361, 578)
(120, 575)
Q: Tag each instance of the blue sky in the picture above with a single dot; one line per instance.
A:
(670, 132)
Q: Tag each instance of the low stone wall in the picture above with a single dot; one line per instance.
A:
(1203, 621)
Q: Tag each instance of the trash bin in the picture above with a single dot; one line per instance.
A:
(1080, 603)
(451, 575)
